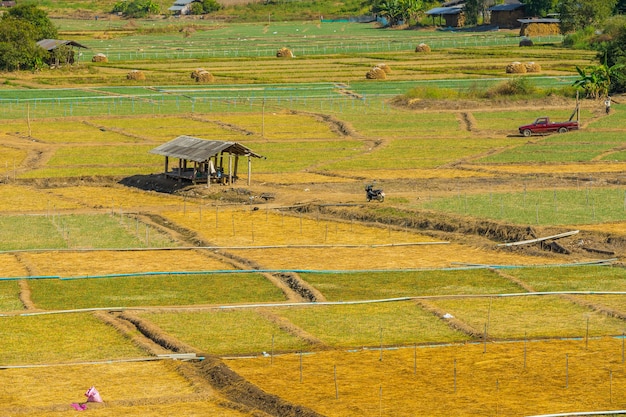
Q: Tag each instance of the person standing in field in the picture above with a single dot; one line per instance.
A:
(607, 104)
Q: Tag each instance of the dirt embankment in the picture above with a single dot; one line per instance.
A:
(243, 395)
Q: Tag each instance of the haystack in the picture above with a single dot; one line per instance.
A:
(284, 53)
(422, 47)
(540, 29)
(99, 58)
(376, 73)
(385, 68)
(516, 68)
(526, 42)
(204, 77)
(532, 67)
(136, 75)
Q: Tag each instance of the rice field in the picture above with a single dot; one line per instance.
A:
(516, 379)
(321, 125)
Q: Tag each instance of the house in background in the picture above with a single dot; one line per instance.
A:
(181, 7)
(506, 15)
(7, 3)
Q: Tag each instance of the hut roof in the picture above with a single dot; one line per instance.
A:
(199, 150)
(540, 20)
(506, 7)
(50, 44)
(445, 10)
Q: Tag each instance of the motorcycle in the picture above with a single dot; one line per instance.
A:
(374, 194)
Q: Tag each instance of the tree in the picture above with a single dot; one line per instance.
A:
(613, 53)
(204, 6)
(42, 25)
(396, 11)
(473, 10)
(538, 7)
(620, 7)
(136, 8)
(596, 80)
(579, 14)
(18, 48)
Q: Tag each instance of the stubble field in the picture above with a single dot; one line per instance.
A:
(310, 302)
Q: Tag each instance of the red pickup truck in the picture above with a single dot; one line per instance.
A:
(544, 125)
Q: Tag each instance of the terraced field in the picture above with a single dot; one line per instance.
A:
(293, 296)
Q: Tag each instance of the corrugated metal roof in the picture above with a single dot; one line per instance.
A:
(445, 10)
(540, 20)
(183, 2)
(176, 8)
(199, 150)
(50, 44)
(506, 7)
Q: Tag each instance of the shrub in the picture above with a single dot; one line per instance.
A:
(513, 87)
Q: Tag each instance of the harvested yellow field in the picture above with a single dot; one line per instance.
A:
(76, 131)
(398, 257)
(390, 174)
(129, 389)
(116, 198)
(14, 198)
(297, 178)
(10, 158)
(618, 228)
(11, 267)
(508, 379)
(283, 125)
(64, 385)
(228, 227)
(579, 168)
(68, 264)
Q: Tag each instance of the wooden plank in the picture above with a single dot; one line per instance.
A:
(540, 239)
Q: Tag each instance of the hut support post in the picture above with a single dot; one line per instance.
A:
(195, 172)
(249, 168)
(236, 166)
(230, 168)
(167, 162)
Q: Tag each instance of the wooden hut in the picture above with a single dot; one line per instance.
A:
(202, 160)
(452, 15)
(51, 45)
(507, 15)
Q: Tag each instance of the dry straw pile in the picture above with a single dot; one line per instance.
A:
(376, 73)
(516, 68)
(532, 67)
(99, 58)
(540, 29)
(284, 53)
(136, 75)
(385, 68)
(422, 47)
(202, 76)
